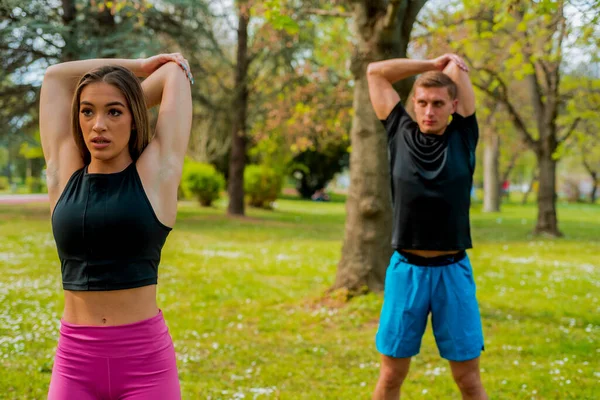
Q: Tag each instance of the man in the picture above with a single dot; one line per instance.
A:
(432, 160)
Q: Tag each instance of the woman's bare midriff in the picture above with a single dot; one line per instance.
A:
(430, 253)
(110, 308)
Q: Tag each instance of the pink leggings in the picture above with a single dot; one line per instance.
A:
(126, 362)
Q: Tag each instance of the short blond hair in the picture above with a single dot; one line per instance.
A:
(437, 79)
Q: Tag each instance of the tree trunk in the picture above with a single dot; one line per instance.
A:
(69, 52)
(237, 162)
(367, 248)
(547, 222)
(529, 188)
(383, 31)
(491, 171)
(9, 167)
(593, 175)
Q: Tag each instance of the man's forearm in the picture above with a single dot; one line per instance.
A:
(399, 68)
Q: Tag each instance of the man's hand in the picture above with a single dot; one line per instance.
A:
(442, 62)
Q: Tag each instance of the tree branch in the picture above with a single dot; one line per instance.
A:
(588, 167)
(516, 118)
(391, 13)
(329, 13)
(535, 89)
(513, 160)
(570, 130)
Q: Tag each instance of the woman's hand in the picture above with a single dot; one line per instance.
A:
(442, 62)
(151, 64)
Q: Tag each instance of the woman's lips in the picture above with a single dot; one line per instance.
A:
(99, 146)
(100, 143)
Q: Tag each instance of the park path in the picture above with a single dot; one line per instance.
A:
(23, 198)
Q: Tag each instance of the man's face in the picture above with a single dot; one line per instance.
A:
(433, 107)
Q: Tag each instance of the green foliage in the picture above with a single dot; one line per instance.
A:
(30, 152)
(309, 107)
(314, 169)
(201, 181)
(262, 185)
(35, 185)
(3, 158)
(273, 11)
(4, 183)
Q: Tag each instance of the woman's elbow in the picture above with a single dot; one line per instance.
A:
(52, 71)
(373, 68)
(175, 71)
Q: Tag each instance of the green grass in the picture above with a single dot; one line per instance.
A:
(243, 299)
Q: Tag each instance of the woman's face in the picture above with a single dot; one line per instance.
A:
(105, 121)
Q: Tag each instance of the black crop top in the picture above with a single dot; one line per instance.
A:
(107, 234)
(431, 177)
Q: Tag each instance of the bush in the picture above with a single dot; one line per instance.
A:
(3, 182)
(262, 185)
(35, 185)
(201, 181)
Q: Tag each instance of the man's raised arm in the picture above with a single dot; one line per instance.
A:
(382, 74)
(465, 93)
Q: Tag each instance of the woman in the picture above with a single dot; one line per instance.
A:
(113, 196)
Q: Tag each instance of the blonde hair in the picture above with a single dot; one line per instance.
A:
(124, 80)
(437, 79)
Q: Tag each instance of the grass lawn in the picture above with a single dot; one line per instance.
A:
(243, 299)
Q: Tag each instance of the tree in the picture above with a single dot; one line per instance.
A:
(305, 133)
(237, 162)
(585, 141)
(382, 30)
(590, 157)
(316, 168)
(265, 45)
(501, 152)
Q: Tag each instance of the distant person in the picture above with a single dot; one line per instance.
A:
(320, 195)
(112, 184)
(432, 160)
(506, 188)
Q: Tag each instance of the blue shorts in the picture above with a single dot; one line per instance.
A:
(412, 292)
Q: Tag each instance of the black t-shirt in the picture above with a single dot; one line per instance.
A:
(431, 178)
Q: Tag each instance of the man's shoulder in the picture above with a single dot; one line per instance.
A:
(468, 122)
(464, 117)
(398, 120)
(467, 128)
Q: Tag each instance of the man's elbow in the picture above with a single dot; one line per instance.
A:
(466, 111)
(451, 69)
